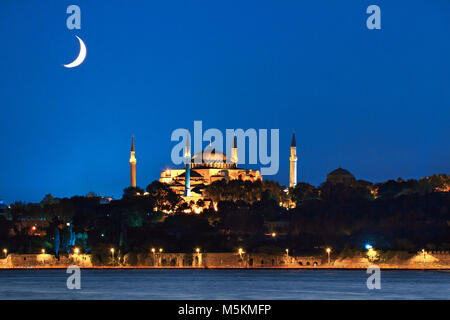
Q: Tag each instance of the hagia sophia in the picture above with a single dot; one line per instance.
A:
(204, 168)
(212, 165)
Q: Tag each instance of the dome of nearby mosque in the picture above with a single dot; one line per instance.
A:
(340, 171)
(340, 175)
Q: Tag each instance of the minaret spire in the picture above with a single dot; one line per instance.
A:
(187, 167)
(293, 161)
(234, 157)
(133, 163)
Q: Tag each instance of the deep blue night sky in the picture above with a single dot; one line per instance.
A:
(376, 102)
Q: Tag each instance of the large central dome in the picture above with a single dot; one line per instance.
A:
(211, 158)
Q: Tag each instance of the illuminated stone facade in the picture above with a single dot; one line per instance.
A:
(206, 167)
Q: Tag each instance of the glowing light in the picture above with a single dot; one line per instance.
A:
(368, 246)
(76, 250)
(240, 251)
(33, 228)
(287, 251)
(372, 254)
(274, 234)
(329, 258)
(197, 250)
(43, 251)
(153, 250)
(198, 210)
(168, 172)
(5, 251)
(444, 188)
(112, 250)
(160, 250)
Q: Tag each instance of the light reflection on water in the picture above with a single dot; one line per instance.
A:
(223, 284)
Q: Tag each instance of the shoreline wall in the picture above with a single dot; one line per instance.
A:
(437, 260)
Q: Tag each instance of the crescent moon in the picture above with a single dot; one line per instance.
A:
(81, 56)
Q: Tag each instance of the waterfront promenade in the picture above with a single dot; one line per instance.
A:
(431, 260)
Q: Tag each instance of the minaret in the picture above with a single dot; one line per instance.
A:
(293, 160)
(187, 167)
(133, 164)
(234, 157)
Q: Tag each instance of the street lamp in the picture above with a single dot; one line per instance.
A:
(274, 234)
(153, 250)
(5, 251)
(372, 254)
(329, 251)
(287, 251)
(112, 254)
(197, 250)
(76, 250)
(43, 251)
(160, 250)
(424, 255)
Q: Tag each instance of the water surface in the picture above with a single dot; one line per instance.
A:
(223, 284)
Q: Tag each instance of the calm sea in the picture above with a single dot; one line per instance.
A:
(223, 284)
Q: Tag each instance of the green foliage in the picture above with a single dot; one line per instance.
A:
(435, 183)
(101, 254)
(404, 215)
(246, 191)
(132, 192)
(164, 197)
(342, 192)
(303, 191)
(135, 218)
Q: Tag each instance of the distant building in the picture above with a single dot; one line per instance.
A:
(3, 207)
(105, 200)
(340, 176)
